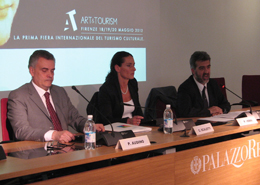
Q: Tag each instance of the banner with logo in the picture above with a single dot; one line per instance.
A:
(77, 23)
(82, 35)
(235, 161)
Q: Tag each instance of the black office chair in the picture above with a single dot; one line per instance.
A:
(157, 100)
(92, 107)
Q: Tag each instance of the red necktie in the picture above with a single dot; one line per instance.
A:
(54, 117)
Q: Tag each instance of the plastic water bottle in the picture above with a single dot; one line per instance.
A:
(90, 133)
(168, 120)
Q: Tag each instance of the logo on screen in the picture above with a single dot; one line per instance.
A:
(72, 21)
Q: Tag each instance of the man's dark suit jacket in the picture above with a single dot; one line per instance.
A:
(110, 101)
(29, 117)
(190, 103)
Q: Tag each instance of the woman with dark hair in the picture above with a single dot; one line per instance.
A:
(119, 89)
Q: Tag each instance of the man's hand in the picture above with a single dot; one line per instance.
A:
(215, 110)
(66, 136)
(63, 136)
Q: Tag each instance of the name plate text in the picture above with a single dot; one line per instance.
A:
(133, 142)
(202, 129)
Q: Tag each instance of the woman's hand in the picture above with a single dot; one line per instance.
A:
(100, 128)
(136, 120)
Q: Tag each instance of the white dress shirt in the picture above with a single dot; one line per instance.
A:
(41, 92)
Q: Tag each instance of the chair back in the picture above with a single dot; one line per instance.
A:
(221, 82)
(251, 89)
(157, 100)
(5, 134)
(160, 107)
(93, 106)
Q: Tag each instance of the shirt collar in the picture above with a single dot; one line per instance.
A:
(40, 91)
(200, 86)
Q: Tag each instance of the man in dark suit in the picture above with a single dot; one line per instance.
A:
(200, 96)
(41, 111)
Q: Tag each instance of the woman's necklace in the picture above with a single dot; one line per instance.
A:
(125, 91)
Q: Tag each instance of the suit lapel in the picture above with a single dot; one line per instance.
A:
(197, 92)
(118, 89)
(58, 107)
(37, 100)
(210, 94)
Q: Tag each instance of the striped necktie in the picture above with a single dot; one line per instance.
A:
(205, 101)
(54, 117)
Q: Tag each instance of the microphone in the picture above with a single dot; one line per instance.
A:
(243, 102)
(109, 138)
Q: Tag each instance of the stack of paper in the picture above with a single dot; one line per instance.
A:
(223, 117)
(119, 127)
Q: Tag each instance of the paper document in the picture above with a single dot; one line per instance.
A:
(223, 117)
(119, 127)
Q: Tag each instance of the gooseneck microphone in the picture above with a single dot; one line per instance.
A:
(109, 138)
(75, 89)
(243, 102)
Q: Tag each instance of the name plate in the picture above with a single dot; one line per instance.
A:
(202, 129)
(245, 121)
(133, 142)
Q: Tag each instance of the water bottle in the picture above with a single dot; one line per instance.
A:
(168, 120)
(90, 133)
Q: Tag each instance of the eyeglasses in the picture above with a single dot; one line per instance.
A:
(55, 147)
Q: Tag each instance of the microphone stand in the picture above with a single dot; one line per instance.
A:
(243, 102)
(109, 138)
(185, 134)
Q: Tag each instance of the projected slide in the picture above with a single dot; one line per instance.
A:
(82, 35)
